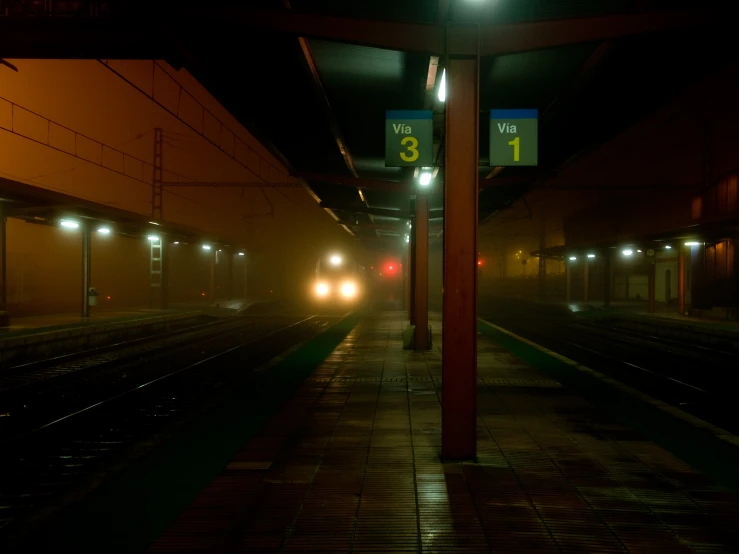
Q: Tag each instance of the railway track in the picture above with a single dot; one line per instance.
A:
(49, 466)
(31, 392)
(698, 379)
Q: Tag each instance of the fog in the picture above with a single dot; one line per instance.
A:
(284, 231)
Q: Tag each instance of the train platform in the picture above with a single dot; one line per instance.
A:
(49, 334)
(568, 461)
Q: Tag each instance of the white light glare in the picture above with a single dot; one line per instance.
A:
(425, 179)
(627, 252)
(591, 255)
(668, 247)
(573, 258)
(348, 289)
(176, 242)
(407, 238)
(104, 230)
(153, 238)
(321, 289)
(692, 243)
(335, 260)
(154, 223)
(241, 254)
(206, 247)
(442, 87)
(639, 251)
(69, 224)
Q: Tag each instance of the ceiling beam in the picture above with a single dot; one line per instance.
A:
(381, 212)
(495, 40)
(371, 184)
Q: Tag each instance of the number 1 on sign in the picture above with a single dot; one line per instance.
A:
(516, 143)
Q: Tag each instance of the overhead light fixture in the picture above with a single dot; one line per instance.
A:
(692, 243)
(573, 258)
(335, 260)
(153, 238)
(425, 179)
(206, 247)
(668, 247)
(241, 254)
(155, 223)
(104, 230)
(69, 224)
(442, 87)
(591, 255)
(639, 251)
(627, 252)
(176, 242)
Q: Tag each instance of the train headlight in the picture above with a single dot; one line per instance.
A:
(348, 290)
(321, 289)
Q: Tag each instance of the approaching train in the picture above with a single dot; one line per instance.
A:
(339, 281)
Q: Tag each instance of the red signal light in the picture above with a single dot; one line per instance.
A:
(479, 262)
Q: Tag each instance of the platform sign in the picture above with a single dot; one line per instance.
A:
(409, 138)
(514, 137)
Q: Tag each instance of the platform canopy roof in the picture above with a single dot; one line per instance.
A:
(312, 79)
(48, 207)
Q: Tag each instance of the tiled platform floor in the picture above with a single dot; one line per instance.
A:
(351, 464)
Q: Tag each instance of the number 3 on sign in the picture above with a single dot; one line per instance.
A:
(516, 143)
(412, 148)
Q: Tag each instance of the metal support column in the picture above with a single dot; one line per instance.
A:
(164, 277)
(246, 277)
(3, 265)
(568, 281)
(230, 284)
(86, 266)
(607, 260)
(651, 268)
(413, 261)
(212, 280)
(542, 277)
(157, 273)
(421, 288)
(157, 178)
(681, 278)
(459, 324)
(585, 280)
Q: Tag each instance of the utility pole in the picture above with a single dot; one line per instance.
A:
(156, 179)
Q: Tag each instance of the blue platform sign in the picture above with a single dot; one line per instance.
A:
(514, 137)
(409, 138)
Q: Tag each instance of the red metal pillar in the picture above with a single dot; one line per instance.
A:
(421, 272)
(681, 270)
(607, 278)
(413, 262)
(568, 281)
(650, 287)
(459, 324)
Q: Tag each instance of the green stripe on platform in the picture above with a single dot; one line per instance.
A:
(698, 447)
(129, 512)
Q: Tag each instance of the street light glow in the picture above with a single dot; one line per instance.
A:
(335, 260)
(206, 247)
(692, 243)
(425, 179)
(627, 252)
(442, 86)
(573, 258)
(153, 238)
(104, 230)
(69, 224)
(241, 254)
(591, 255)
